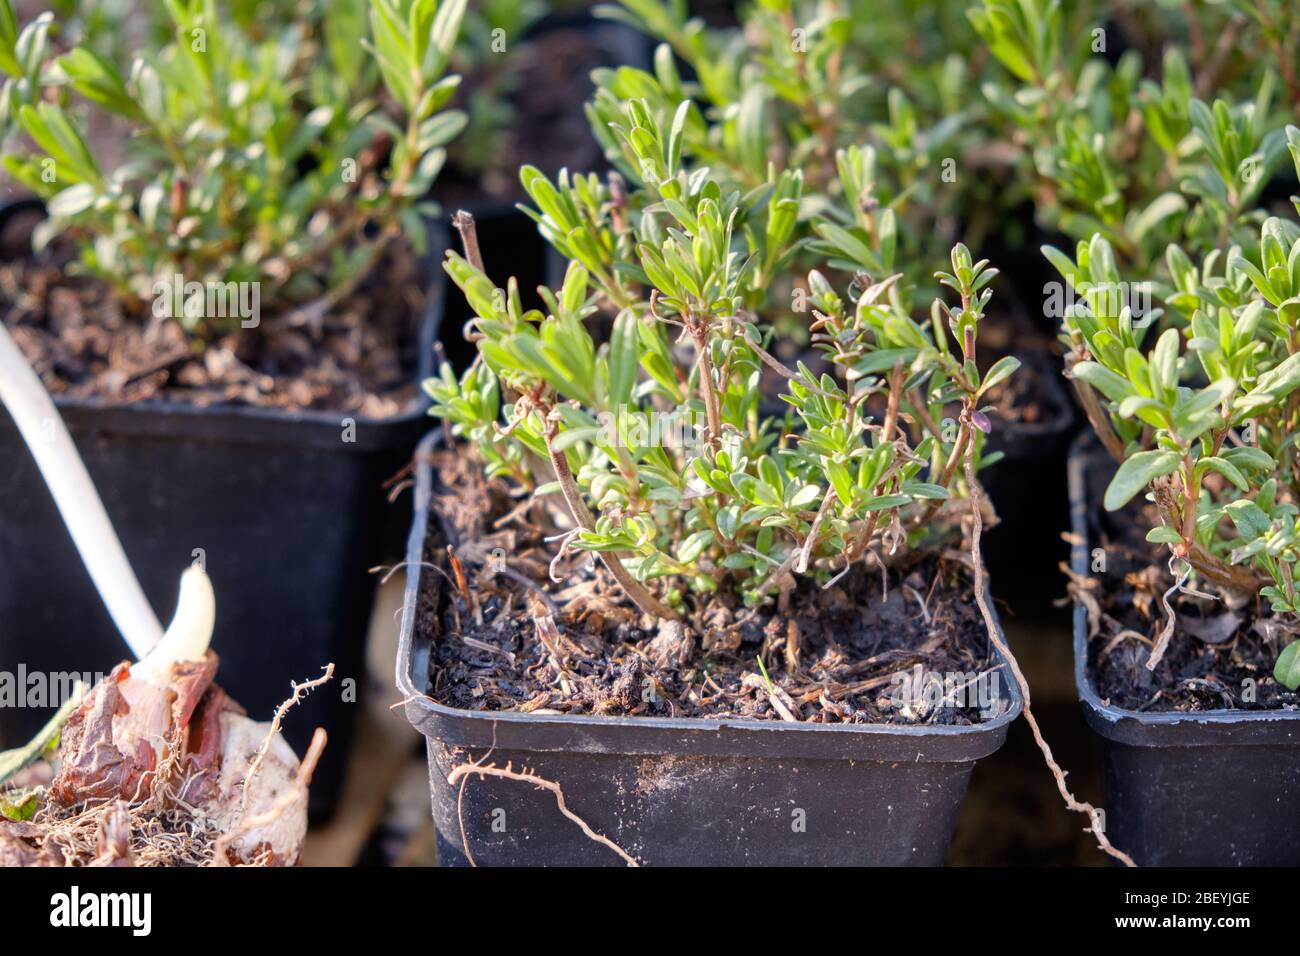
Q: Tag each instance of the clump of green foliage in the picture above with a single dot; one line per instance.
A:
(22, 54)
(1207, 417)
(1114, 153)
(866, 462)
(1161, 188)
(290, 160)
(811, 86)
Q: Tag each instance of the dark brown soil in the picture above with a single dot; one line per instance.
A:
(1024, 398)
(716, 13)
(84, 341)
(603, 657)
(1220, 657)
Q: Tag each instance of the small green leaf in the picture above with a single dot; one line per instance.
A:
(1136, 473)
(840, 479)
(1003, 369)
(1164, 535)
(1228, 470)
(72, 200)
(693, 546)
(1287, 669)
(1251, 520)
(1113, 386)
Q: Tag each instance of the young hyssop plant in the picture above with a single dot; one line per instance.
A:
(805, 86)
(265, 161)
(1206, 417)
(1161, 184)
(1111, 152)
(738, 504)
(867, 467)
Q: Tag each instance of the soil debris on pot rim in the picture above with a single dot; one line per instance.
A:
(505, 638)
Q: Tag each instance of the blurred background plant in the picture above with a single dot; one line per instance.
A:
(802, 86)
(1182, 156)
(280, 160)
(493, 30)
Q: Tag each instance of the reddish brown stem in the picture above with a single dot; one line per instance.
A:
(1097, 416)
(582, 516)
(464, 224)
(700, 334)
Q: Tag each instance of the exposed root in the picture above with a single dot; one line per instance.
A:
(582, 517)
(162, 831)
(981, 597)
(1171, 618)
(291, 796)
(299, 691)
(462, 772)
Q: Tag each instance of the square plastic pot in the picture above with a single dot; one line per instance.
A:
(681, 792)
(1212, 788)
(287, 512)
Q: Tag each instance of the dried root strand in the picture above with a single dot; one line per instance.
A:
(981, 597)
(299, 691)
(291, 795)
(582, 517)
(462, 772)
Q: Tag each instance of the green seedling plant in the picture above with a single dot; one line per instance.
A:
(737, 500)
(1140, 161)
(292, 161)
(1205, 416)
(869, 463)
(803, 86)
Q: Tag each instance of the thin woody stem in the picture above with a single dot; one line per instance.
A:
(780, 368)
(805, 553)
(1235, 578)
(859, 545)
(1097, 416)
(464, 224)
(700, 334)
(895, 400)
(582, 516)
(949, 470)
(1190, 494)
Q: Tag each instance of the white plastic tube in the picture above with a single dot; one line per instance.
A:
(75, 495)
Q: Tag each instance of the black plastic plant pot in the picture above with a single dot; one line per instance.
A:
(1213, 788)
(1027, 487)
(286, 511)
(680, 791)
